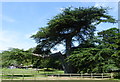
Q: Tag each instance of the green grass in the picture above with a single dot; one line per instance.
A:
(60, 81)
(29, 71)
(26, 73)
(32, 74)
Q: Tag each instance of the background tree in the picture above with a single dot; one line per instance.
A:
(111, 39)
(15, 56)
(73, 24)
(102, 57)
(50, 62)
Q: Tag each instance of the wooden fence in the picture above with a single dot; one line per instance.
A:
(43, 76)
(86, 75)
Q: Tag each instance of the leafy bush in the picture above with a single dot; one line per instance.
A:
(116, 75)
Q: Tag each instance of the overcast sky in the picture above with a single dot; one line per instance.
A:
(22, 19)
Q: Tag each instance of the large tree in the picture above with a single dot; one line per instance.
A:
(73, 24)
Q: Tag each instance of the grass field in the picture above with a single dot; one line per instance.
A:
(61, 81)
(26, 73)
(30, 71)
(31, 75)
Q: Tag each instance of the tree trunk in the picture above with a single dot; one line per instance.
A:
(67, 65)
(68, 46)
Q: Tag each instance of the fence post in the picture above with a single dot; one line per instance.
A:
(12, 76)
(58, 75)
(102, 75)
(34, 76)
(23, 75)
(81, 75)
(2, 76)
(111, 75)
(91, 75)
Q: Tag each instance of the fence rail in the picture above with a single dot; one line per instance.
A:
(43, 76)
(91, 75)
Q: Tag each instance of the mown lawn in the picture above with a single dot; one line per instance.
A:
(26, 73)
(31, 75)
(30, 71)
(62, 81)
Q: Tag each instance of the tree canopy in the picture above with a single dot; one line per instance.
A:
(15, 56)
(73, 24)
(103, 57)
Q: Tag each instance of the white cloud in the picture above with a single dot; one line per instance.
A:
(106, 4)
(103, 4)
(112, 5)
(11, 39)
(7, 36)
(30, 34)
(6, 39)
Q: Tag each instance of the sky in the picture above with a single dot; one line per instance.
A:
(20, 20)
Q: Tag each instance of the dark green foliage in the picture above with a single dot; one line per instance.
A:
(92, 60)
(16, 57)
(73, 24)
(111, 39)
(117, 75)
(102, 57)
(47, 63)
